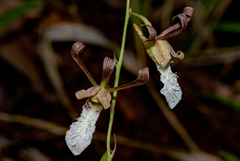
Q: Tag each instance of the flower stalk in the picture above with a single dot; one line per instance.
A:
(117, 75)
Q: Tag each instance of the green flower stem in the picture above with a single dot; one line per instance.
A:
(117, 75)
(109, 157)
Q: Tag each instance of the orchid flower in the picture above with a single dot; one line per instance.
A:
(161, 52)
(79, 136)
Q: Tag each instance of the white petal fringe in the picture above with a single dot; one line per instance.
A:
(171, 89)
(79, 136)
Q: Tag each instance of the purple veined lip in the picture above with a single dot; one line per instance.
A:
(88, 108)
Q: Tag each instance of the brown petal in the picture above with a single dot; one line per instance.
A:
(144, 19)
(139, 31)
(183, 20)
(106, 100)
(103, 97)
(152, 32)
(161, 53)
(176, 29)
(77, 48)
(81, 94)
(143, 76)
(179, 55)
(108, 67)
(189, 11)
(167, 33)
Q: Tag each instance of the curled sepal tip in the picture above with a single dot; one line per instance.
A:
(183, 19)
(77, 48)
(179, 55)
(176, 29)
(159, 50)
(79, 136)
(171, 89)
(143, 76)
(189, 11)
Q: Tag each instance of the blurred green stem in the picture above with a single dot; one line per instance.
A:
(118, 69)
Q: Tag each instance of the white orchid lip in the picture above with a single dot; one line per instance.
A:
(171, 89)
(80, 134)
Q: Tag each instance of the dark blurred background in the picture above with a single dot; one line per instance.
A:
(38, 80)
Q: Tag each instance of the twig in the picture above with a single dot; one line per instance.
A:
(117, 75)
(61, 130)
(211, 57)
(37, 123)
